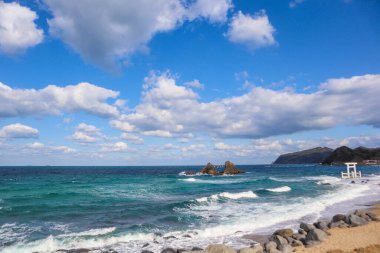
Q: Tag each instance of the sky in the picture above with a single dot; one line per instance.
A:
(185, 82)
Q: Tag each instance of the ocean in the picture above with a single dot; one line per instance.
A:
(127, 209)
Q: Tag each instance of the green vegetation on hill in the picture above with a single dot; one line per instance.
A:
(314, 155)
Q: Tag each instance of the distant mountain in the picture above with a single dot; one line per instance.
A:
(314, 155)
(360, 155)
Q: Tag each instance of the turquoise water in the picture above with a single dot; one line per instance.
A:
(49, 208)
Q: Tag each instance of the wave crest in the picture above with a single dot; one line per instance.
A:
(228, 195)
(280, 189)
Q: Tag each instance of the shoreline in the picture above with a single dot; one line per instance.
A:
(356, 238)
(364, 238)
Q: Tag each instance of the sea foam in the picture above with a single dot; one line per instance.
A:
(280, 189)
(91, 232)
(228, 195)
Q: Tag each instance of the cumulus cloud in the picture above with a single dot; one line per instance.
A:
(87, 134)
(215, 11)
(109, 31)
(38, 147)
(132, 138)
(18, 131)
(114, 147)
(54, 100)
(171, 110)
(254, 31)
(195, 84)
(17, 28)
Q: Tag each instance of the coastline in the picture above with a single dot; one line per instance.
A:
(364, 238)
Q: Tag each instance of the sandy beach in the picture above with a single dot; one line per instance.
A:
(356, 239)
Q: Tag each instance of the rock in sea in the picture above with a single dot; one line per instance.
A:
(210, 169)
(230, 169)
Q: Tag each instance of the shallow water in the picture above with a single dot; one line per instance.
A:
(49, 208)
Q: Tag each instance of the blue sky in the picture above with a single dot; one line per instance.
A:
(185, 82)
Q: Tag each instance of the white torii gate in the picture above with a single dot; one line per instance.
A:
(351, 171)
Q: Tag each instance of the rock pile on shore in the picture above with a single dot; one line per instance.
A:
(286, 240)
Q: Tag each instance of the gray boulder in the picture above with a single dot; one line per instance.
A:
(219, 248)
(355, 220)
(279, 240)
(362, 214)
(322, 225)
(146, 251)
(169, 250)
(311, 243)
(270, 245)
(287, 232)
(316, 235)
(373, 216)
(302, 232)
(338, 217)
(306, 227)
(296, 243)
(257, 248)
(299, 237)
(338, 224)
(285, 248)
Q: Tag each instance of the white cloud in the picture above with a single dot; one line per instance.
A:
(132, 138)
(193, 148)
(18, 130)
(114, 147)
(195, 84)
(223, 146)
(294, 3)
(215, 11)
(36, 145)
(171, 110)
(87, 134)
(158, 133)
(17, 28)
(254, 31)
(41, 148)
(122, 126)
(54, 100)
(109, 31)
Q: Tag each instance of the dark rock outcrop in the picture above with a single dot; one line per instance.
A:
(210, 169)
(230, 169)
(309, 156)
